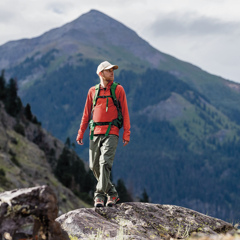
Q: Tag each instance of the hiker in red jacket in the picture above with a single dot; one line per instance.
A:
(105, 111)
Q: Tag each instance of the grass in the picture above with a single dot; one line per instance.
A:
(26, 164)
(3, 179)
(192, 125)
(101, 234)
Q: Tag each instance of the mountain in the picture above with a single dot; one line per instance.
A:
(185, 122)
(96, 36)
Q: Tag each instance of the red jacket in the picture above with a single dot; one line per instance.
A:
(101, 115)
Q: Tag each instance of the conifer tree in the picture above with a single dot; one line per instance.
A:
(13, 103)
(63, 168)
(145, 197)
(70, 170)
(90, 182)
(2, 86)
(28, 112)
(123, 193)
(34, 120)
(68, 142)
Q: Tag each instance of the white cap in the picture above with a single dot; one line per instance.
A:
(104, 66)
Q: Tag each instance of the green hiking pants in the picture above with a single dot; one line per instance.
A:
(102, 150)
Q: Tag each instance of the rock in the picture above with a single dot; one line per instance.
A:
(232, 235)
(139, 221)
(30, 213)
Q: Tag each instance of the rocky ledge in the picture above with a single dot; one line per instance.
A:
(31, 214)
(139, 221)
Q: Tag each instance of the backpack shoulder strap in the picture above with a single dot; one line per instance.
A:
(113, 88)
(97, 87)
(119, 121)
(113, 95)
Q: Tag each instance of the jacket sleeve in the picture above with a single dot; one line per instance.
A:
(86, 116)
(125, 113)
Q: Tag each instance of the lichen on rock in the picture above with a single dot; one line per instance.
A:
(140, 221)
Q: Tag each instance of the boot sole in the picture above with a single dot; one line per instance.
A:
(112, 204)
(99, 205)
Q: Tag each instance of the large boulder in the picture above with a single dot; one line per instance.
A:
(139, 221)
(30, 213)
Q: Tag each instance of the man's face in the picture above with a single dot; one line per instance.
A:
(108, 75)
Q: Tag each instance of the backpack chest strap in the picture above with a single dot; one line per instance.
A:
(107, 100)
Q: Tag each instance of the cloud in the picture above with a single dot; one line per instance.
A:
(60, 7)
(178, 24)
(6, 16)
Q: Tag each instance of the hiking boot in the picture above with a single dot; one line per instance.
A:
(98, 203)
(112, 201)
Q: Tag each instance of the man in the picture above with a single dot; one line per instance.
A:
(104, 113)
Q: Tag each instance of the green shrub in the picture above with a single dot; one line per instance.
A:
(3, 179)
(19, 129)
(2, 172)
(15, 161)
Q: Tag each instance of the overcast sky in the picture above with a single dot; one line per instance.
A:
(203, 32)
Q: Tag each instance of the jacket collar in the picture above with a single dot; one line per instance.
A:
(108, 86)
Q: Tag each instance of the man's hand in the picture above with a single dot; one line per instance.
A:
(80, 141)
(125, 143)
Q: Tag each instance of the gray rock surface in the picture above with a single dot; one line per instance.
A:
(139, 221)
(30, 213)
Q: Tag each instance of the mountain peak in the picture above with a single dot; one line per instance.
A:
(91, 14)
(98, 29)
(94, 12)
(96, 21)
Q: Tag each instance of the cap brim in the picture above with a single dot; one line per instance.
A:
(111, 66)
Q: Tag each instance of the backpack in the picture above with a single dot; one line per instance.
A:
(118, 122)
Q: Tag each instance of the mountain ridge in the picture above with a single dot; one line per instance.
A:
(78, 24)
